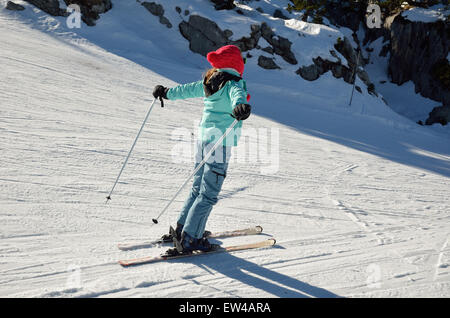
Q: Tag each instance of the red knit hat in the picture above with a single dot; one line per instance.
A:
(228, 56)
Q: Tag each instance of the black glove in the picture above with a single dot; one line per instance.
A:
(242, 111)
(160, 92)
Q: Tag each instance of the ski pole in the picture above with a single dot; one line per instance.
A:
(200, 165)
(129, 153)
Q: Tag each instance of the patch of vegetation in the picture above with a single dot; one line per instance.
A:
(391, 6)
(311, 8)
(317, 8)
(88, 3)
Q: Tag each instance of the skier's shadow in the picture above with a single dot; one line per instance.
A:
(259, 277)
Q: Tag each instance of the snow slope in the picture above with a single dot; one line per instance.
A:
(358, 204)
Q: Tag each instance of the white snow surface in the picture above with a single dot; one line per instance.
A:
(358, 203)
(426, 15)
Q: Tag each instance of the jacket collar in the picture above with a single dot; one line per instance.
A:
(218, 81)
(229, 70)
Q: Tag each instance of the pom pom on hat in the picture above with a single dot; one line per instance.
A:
(228, 56)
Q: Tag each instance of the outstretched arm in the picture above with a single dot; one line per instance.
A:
(190, 90)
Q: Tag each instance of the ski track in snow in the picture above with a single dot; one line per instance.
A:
(348, 222)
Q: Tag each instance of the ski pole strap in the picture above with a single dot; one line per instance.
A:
(199, 166)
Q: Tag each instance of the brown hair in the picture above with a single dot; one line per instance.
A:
(207, 75)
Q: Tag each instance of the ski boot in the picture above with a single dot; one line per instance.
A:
(168, 238)
(188, 244)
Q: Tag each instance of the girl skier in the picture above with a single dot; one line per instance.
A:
(225, 96)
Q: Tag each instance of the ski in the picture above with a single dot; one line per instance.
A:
(154, 259)
(134, 246)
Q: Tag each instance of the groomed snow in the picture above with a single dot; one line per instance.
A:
(358, 204)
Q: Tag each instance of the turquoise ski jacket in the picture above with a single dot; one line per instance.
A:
(217, 108)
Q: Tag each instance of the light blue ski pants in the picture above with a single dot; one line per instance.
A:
(205, 189)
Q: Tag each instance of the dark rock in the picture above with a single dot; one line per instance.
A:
(165, 21)
(268, 49)
(186, 12)
(279, 14)
(339, 13)
(371, 89)
(309, 73)
(223, 4)
(440, 114)
(255, 28)
(385, 50)
(249, 43)
(281, 46)
(14, 6)
(178, 9)
(154, 8)
(362, 74)
(337, 70)
(416, 48)
(157, 10)
(203, 35)
(90, 12)
(267, 63)
(334, 54)
(346, 49)
(49, 6)
(358, 88)
(321, 66)
(260, 10)
(228, 33)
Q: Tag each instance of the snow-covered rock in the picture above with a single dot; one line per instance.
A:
(425, 15)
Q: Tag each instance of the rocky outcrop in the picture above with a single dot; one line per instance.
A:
(440, 114)
(280, 45)
(321, 66)
(250, 42)
(267, 63)
(14, 6)
(346, 13)
(417, 48)
(310, 72)
(279, 14)
(90, 9)
(158, 10)
(49, 6)
(203, 34)
(223, 4)
(354, 60)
